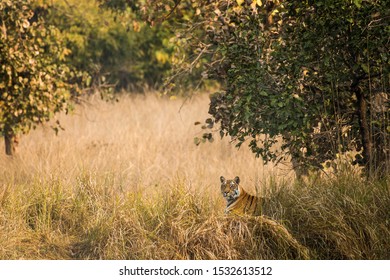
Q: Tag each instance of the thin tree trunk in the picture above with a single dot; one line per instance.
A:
(365, 133)
(10, 143)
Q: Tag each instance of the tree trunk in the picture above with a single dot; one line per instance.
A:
(365, 133)
(11, 143)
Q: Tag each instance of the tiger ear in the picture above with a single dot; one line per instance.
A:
(237, 180)
(222, 179)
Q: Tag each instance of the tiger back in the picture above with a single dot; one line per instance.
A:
(238, 201)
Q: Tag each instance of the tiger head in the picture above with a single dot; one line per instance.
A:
(230, 189)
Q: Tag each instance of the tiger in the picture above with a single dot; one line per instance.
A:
(238, 201)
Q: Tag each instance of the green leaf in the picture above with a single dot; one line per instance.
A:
(197, 141)
(358, 3)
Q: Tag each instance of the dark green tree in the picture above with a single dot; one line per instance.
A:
(303, 79)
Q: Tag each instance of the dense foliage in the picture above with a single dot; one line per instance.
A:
(114, 46)
(307, 80)
(33, 73)
(167, 19)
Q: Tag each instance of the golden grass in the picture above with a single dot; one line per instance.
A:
(125, 181)
(139, 142)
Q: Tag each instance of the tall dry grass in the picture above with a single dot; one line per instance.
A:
(142, 141)
(125, 181)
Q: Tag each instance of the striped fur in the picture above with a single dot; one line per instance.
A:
(238, 201)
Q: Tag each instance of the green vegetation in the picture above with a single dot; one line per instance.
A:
(114, 47)
(34, 78)
(313, 75)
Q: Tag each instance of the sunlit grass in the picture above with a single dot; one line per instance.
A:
(140, 141)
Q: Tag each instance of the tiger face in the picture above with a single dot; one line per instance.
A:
(239, 202)
(230, 189)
